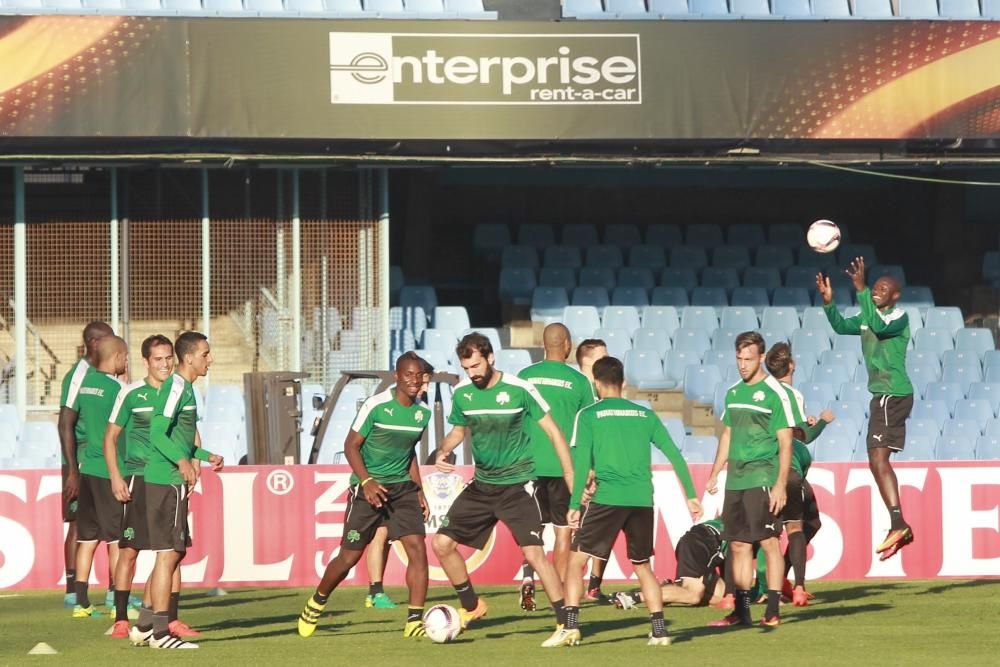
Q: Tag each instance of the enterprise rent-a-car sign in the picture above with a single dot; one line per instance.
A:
(412, 68)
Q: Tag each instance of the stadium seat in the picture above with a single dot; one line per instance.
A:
(985, 392)
(844, 427)
(675, 427)
(767, 278)
(623, 235)
(939, 411)
(490, 239)
(709, 296)
(944, 317)
(817, 395)
(551, 276)
(833, 449)
(805, 363)
(803, 276)
(847, 252)
(516, 285)
(992, 428)
(664, 235)
(512, 360)
(644, 371)
(490, 332)
(598, 276)
(809, 340)
(669, 296)
(675, 277)
(848, 409)
(700, 317)
(225, 438)
(991, 359)
(750, 8)
(919, 9)
(104, 5)
(440, 359)
(706, 235)
(590, 296)
(470, 9)
(719, 399)
(700, 448)
(917, 448)
(579, 234)
(451, 317)
(780, 318)
(584, 9)
(892, 270)
(731, 257)
(963, 374)
(855, 392)
(630, 296)
(948, 392)
(916, 295)
(991, 9)
(38, 439)
(916, 319)
(519, 256)
(934, 339)
(439, 339)
(605, 256)
(955, 447)
(738, 317)
(688, 257)
(648, 256)
(924, 426)
(725, 339)
(790, 297)
(226, 7)
(621, 317)
(988, 448)
(975, 339)
(745, 234)
(183, 7)
(792, 9)
(562, 256)
(636, 276)
(786, 234)
(696, 340)
(921, 375)
(8, 441)
(833, 374)
(753, 297)
(582, 321)
(721, 358)
(618, 341)
(536, 235)
(846, 358)
(548, 302)
(700, 383)
(655, 340)
(661, 317)
(418, 295)
(675, 364)
(722, 277)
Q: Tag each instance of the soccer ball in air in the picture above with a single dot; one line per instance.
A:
(823, 236)
(442, 623)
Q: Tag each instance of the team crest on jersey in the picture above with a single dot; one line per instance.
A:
(758, 396)
(503, 398)
(419, 417)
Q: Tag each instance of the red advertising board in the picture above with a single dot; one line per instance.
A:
(270, 525)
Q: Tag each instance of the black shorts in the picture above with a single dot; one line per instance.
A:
(401, 514)
(810, 512)
(135, 526)
(98, 514)
(600, 525)
(68, 506)
(166, 517)
(698, 552)
(746, 515)
(479, 506)
(887, 421)
(553, 499)
(795, 505)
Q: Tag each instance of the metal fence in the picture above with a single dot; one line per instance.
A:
(282, 268)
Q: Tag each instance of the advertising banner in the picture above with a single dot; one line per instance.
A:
(279, 526)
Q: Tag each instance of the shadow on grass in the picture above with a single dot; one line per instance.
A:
(949, 586)
(848, 593)
(228, 601)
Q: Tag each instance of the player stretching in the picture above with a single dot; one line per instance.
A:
(386, 491)
(71, 439)
(99, 514)
(497, 407)
(133, 414)
(567, 392)
(757, 445)
(171, 471)
(781, 366)
(701, 562)
(612, 438)
(885, 335)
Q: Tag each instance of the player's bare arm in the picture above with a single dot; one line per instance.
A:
(779, 490)
(118, 485)
(415, 476)
(551, 429)
(721, 456)
(67, 438)
(374, 492)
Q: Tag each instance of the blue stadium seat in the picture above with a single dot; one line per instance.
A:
(932, 357)
(963, 374)
(548, 302)
(676, 429)
(688, 257)
(512, 360)
(519, 256)
(552, 276)
(675, 364)
(817, 394)
(621, 317)
(706, 235)
(925, 426)
(833, 449)
(725, 339)
(451, 317)
(991, 359)
(618, 341)
(584, 9)
(985, 392)
(992, 373)
(843, 427)
(675, 277)
(38, 439)
(853, 410)
(648, 256)
(754, 297)
(644, 371)
(696, 340)
(793, 9)
(721, 358)
(700, 317)
(402, 340)
(439, 339)
(917, 448)
(595, 276)
(803, 276)
(809, 340)
(750, 8)
(731, 257)
(700, 383)
(536, 235)
(848, 251)
(988, 448)
(661, 317)
(656, 340)
(579, 234)
(490, 238)
(418, 295)
(805, 363)
(565, 256)
(607, 256)
(636, 276)
(956, 448)
(916, 295)
(915, 317)
(581, 320)
(921, 375)
(412, 318)
(664, 235)
(833, 374)
(746, 234)
(892, 270)
(623, 235)
(937, 340)
(786, 234)
(470, 9)
(791, 297)
(960, 9)
(719, 399)
(962, 428)
(717, 276)
(590, 296)
(225, 438)
(774, 257)
(992, 428)
(709, 296)
(975, 339)
(855, 392)
(919, 9)
(768, 278)
(948, 392)
(700, 448)
(939, 411)
(516, 285)
(780, 318)
(108, 6)
(738, 317)
(847, 358)
(944, 317)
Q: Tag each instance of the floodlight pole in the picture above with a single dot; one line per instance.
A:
(20, 296)
(296, 276)
(206, 261)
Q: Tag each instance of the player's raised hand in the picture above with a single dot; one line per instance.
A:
(694, 506)
(827, 416)
(218, 462)
(120, 489)
(824, 288)
(573, 518)
(375, 493)
(441, 462)
(778, 499)
(712, 485)
(857, 273)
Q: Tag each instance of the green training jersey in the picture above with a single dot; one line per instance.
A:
(801, 458)
(173, 431)
(70, 392)
(498, 417)
(97, 395)
(754, 413)
(567, 391)
(390, 430)
(612, 437)
(885, 335)
(133, 412)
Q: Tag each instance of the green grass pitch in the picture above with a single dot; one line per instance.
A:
(857, 623)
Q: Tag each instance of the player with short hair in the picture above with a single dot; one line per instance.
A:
(71, 439)
(567, 392)
(99, 513)
(699, 578)
(885, 334)
(756, 443)
(496, 407)
(612, 438)
(171, 472)
(386, 491)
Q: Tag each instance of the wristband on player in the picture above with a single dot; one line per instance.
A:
(365, 481)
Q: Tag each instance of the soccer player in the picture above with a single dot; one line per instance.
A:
(133, 414)
(885, 335)
(99, 514)
(71, 439)
(567, 392)
(781, 366)
(496, 407)
(612, 438)
(587, 352)
(386, 492)
(171, 473)
(757, 445)
(701, 562)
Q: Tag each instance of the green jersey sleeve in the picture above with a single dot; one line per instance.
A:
(813, 432)
(536, 406)
(457, 417)
(850, 326)
(661, 440)
(122, 410)
(365, 418)
(165, 414)
(71, 385)
(583, 455)
(782, 413)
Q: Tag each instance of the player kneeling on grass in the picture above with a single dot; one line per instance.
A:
(385, 492)
(612, 437)
(701, 562)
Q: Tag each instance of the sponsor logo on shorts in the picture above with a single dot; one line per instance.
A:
(877, 437)
(353, 536)
(537, 535)
(503, 398)
(769, 526)
(444, 521)
(73, 505)
(129, 533)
